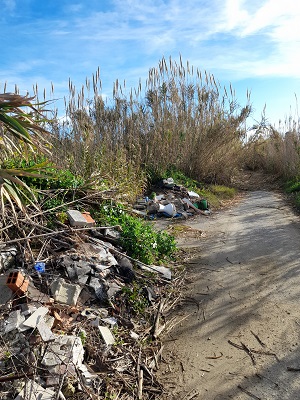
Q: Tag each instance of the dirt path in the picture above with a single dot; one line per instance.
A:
(244, 288)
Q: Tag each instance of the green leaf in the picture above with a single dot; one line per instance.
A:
(15, 127)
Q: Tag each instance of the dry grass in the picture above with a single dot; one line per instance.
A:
(181, 118)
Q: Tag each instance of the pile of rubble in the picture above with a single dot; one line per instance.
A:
(171, 201)
(76, 323)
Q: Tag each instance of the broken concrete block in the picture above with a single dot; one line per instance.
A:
(113, 288)
(33, 320)
(65, 293)
(99, 287)
(27, 308)
(14, 320)
(44, 330)
(33, 391)
(64, 350)
(76, 218)
(49, 320)
(106, 334)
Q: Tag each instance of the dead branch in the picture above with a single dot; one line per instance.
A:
(267, 353)
(58, 232)
(258, 339)
(156, 321)
(249, 393)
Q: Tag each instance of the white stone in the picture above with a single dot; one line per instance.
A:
(166, 272)
(134, 335)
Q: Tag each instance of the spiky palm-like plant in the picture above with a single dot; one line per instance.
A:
(21, 132)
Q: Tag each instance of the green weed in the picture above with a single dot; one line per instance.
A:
(138, 237)
(293, 185)
(135, 299)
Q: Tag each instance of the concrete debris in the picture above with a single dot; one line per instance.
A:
(76, 218)
(44, 330)
(7, 257)
(107, 336)
(33, 320)
(6, 293)
(33, 391)
(64, 349)
(65, 293)
(113, 288)
(100, 288)
(14, 321)
(75, 312)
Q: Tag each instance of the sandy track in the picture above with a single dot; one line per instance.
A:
(245, 282)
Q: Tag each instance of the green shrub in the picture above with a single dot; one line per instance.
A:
(297, 200)
(293, 186)
(138, 238)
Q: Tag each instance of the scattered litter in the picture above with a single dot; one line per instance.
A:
(40, 267)
(17, 283)
(107, 336)
(166, 272)
(32, 321)
(76, 218)
(173, 201)
(65, 293)
(14, 321)
(77, 306)
(33, 391)
(193, 194)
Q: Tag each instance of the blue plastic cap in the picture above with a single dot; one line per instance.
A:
(40, 267)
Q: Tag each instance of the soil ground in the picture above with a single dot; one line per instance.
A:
(242, 288)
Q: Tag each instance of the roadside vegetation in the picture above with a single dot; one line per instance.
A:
(103, 156)
(180, 124)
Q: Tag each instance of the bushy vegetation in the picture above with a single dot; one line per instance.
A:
(181, 119)
(180, 123)
(138, 237)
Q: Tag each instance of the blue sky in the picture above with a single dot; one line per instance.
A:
(254, 44)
